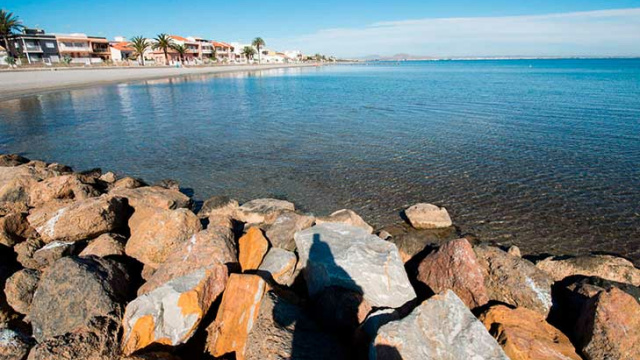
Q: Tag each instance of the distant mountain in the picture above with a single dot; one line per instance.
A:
(397, 57)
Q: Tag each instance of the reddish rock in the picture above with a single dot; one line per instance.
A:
(128, 183)
(280, 233)
(603, 266)
(105, 245)
(346, 216)
(252, 247)
(454, 266)
(262, 210)
(525, 335)
(60, 187)
(153, 196)
(14, 228)
(428, 216)
(19, 289)
(236, 316)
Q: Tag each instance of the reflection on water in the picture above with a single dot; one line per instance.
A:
(543, 154)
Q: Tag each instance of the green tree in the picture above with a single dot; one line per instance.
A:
(258, 43)
(140, 45)
(10, 60)
(248, 52)
(67, 60)
(9, 24)
(181, 50)
(164, 43)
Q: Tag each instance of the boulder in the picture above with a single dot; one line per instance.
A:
(413, 243)
(218, 206)
(128, 182)
(347, 256)
(105, 245)
(609, 326)
(281, 232)
(280, 264)
(60, 187)
(525, 335)
(170, 314)
(14, 228)
(7, 160)
(85, 288)
(25, 250)
(109, 177)
(14, 188)
(156, 233)
(454, 266)
(262, 210)
(236, 315)
(346, 216)
(13, 345)
(52, 252)
(252, 247)
(604, 266)
(513, 280)
(153, 196)
(282, 330)
(19, 289)
(442, 327)
(80, 220)
(168, 184)
(428, 216)
(514, 250)
(340, 310)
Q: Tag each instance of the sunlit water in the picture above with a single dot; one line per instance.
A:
(541, 153)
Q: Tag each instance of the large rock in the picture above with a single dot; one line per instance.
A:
(80, 220)
(157, 233)
(442, 327)
(609, 326)
(236, 316)
(105, 245)
(349, 257)
(218, 206)
(428, 216)
(60, 187)
(346, 216)
(282, 330)
(454, 266)
(84, 288)
(262, 210)
(52, 252)
(12, 160)
(14, 228)
(13, 345)
(525, 335)
(19, 289)
(281, 232)
(152, 196)
(414, 243)
(252, 247)
(340, 310)
(280, 264)
(170, 314)
(513, 280)
(604, 266)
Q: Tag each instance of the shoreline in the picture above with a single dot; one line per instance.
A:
(24, 83)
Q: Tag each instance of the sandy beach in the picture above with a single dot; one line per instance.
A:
(22, 83)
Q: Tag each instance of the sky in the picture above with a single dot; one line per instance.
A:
(360, 28)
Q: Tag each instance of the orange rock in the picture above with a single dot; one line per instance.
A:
(237, 314)
(525, 335)
(252, 248)
(60, 187)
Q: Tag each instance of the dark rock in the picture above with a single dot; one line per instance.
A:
(218, 205)
(54, 251)
(340, 310)
(281, 232)
(412, 242)
(12, 160)
(25, 251)
(168, 184)
(14, 228)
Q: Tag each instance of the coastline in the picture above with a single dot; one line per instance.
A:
(22, 83)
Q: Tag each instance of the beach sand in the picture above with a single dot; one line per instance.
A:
(22, 83)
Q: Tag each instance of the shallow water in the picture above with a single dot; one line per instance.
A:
(544, 154)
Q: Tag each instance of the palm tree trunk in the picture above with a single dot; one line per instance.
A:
(259, 55)
(8, 46)
(166, 57)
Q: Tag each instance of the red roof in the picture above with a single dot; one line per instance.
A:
(221, 44)
(179, 38)
(122, 46)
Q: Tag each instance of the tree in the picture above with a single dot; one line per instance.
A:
(66, 60)
(248, 52)
(258, 43)
(181, 50)
(164, 43)
(10, 60)
(140, 45)
(9, 24)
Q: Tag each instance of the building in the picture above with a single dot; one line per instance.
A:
(83, 49)
(293, 55)
(121, 51)
(224, 51)
(37, 46)
(237, 49)
(205, 48)
(3, 56)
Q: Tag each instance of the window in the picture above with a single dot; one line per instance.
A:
(49, 45)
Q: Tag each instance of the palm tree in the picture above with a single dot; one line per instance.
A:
(140, 45)
(248, 52)
(181, 50)
(8, 25)
(258, 43)
(163, 42)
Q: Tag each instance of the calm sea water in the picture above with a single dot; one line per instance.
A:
(544, 154)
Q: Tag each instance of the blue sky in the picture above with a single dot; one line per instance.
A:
(358, 28)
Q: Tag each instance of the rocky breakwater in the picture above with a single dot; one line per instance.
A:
(96, 266)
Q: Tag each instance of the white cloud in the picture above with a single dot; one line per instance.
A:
(601, 33)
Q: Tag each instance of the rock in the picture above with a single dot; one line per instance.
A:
(15, 184)
(236, 316)
(348, 256)
(128, 183)
(603, 266)
(340, 310)
(412, 243)
(109, 177)
(207, 250)
(515, 281)
(442, 327)
(156, 233)
(81, 220)
(98, 340)
(14, 228)
(85, 288)
(282, 330)
(281, 232)
(218, 206)
(384, 235)
(252, 247)
(609, 326)
(25, 251)
(428, 216)
(105, 245)
(262, 210)
(13, 345)
(281, 265)
(19, 289)
(346, 216)
(154, 197)
(12, 160)
(454, 266)
(151, 356)
(52, 252)
(525, 335)
(170, 314)
(60, 187)
(168, 184)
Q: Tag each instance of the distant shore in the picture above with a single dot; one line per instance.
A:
(21, 83)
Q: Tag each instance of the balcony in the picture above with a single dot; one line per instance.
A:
(33, 48)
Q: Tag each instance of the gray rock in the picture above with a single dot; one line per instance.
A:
(281, 265)
(345, 216)
(440, 328)
(281, 232)
(262, 210)
(349, 257)
(53, 252)
(428, 216)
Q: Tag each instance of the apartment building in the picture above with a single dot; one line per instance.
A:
(83, 49)
(205, 47)
(36, 46)
(224, 51)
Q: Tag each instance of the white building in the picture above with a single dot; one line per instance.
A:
(3, 56)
